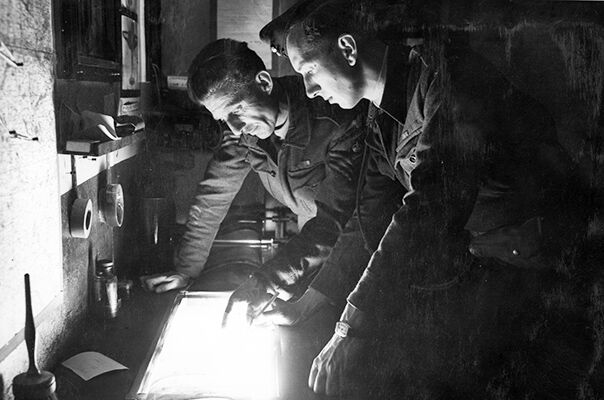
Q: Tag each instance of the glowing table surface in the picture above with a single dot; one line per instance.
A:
(196, 358)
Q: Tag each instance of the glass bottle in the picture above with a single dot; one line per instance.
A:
(105, 289)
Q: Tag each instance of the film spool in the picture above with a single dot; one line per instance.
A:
(80, 219)
(113, 207)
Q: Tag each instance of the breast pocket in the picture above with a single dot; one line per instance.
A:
(304, 169)
(305, 178)
(261, 163)
(406, 157)
(306, 175)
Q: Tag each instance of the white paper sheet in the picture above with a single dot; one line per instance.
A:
(90, 364)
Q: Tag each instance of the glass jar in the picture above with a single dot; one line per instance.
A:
(105, 290)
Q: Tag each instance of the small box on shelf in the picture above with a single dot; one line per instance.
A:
(81, 146)
(98, 148)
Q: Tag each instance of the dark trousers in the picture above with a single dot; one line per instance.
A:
(496, 332)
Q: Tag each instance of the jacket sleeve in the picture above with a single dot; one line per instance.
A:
(222, 180)
(379, 198)
(303, 254)
(425, 244)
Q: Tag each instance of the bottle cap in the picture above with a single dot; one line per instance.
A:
(104, 265)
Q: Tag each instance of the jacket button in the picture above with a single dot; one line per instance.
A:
(405, 134)
(272, 173)
(306, 163)
(356, 147)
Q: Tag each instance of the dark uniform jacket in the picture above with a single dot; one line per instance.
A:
(313, 171)
(486, 160)
(473, 153)
(470, 156)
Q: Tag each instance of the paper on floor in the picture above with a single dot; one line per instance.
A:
(90, 364)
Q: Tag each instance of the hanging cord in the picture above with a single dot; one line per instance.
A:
(360, 183)
(74, 177)
(156, 76)
(371, 115)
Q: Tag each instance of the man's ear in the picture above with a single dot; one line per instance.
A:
(264, 81)
(348, 48)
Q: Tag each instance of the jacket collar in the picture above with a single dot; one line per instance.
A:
(299, 131)
(395, 91)
(302, 111)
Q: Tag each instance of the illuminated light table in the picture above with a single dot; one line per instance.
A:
(195, 358)
(132, 338)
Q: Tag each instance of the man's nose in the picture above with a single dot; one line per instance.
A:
(235, 124)
(312, 89)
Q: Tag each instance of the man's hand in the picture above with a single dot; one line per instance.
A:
(282, 313)
(251, 295)
(163, 282)
(290, 313)
(330, 371)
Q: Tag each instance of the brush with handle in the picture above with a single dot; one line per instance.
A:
(33, 384)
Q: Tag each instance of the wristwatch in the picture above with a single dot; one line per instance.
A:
(343, 329)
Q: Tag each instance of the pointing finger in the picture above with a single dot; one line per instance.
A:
(320, 379)
(314, 369)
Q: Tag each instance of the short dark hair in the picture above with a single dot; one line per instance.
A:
(322, 26)
(224, 65)
(274, 32)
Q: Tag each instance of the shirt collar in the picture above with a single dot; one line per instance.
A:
(281, 131)
(298, 121)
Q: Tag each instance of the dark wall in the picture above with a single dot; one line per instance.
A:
(555, 67)
(124, 243)
(186, 26)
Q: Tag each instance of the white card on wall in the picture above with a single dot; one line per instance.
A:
(130, 42)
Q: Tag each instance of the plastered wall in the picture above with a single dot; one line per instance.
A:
(34, 229)
(30, 224)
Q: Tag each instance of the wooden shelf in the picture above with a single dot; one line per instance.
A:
(101, 148)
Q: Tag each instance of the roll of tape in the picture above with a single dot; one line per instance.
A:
(80, 219)
(113, 207)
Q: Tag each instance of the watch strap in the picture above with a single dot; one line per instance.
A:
(343, 329)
